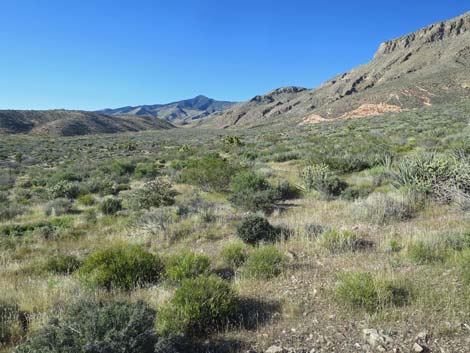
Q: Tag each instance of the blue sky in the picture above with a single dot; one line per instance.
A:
(92, 54)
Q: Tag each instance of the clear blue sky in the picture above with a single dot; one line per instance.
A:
(92, 54)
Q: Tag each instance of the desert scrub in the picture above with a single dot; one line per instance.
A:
(86, 200)
(319, 177)
(155, 193)
(62, 264)
(121, 266)
(361, 290)
(89, 326)
(264, 263)
(252, 192)
(58, 207)
(199, 306)
(423, 252)
(210, 173)
(382, 208)
(186, 265)
(233, 255)
(431, 171)
(64, 189)
(10, 326)
(110, 206)
(338, 241)
(255, 229)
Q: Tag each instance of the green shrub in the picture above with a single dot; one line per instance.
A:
(210, 173)
(320, 178)
(337, 241)
(148, 171)
(110, 206)
(233, 255)
(64, 189)
(255, 229)
(123, 167)
(252, 192)
(154, 193)
(87, 200)
(58, 207)
(103, 186)
(122, 266)
(98, 327)
(264, 263)
(63, 264)
(363, 291)
(200, 306)
(186, 265)
(426, 253)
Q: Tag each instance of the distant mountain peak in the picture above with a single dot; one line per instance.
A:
(180, 112)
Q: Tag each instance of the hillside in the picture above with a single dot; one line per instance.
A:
(424, 68)
(71, 123)
(181, 112)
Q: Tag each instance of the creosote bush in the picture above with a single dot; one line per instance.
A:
(255, 229)
(186, 265)
(252, 192)
(121, 266)
(233, 255)
(264, 263)
(210, 173)
(86, 200)
(200, 306)
(363, 291)
(99, 327)
(110, 206)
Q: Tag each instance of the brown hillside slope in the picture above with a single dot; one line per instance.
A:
(71, 123)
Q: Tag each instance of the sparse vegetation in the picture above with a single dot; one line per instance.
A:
(184, 221)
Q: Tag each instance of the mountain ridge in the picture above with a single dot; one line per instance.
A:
(178, 112)
(428, 66)
(72, 123)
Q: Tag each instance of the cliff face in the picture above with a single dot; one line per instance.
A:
(431, 34)
(427, 67)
